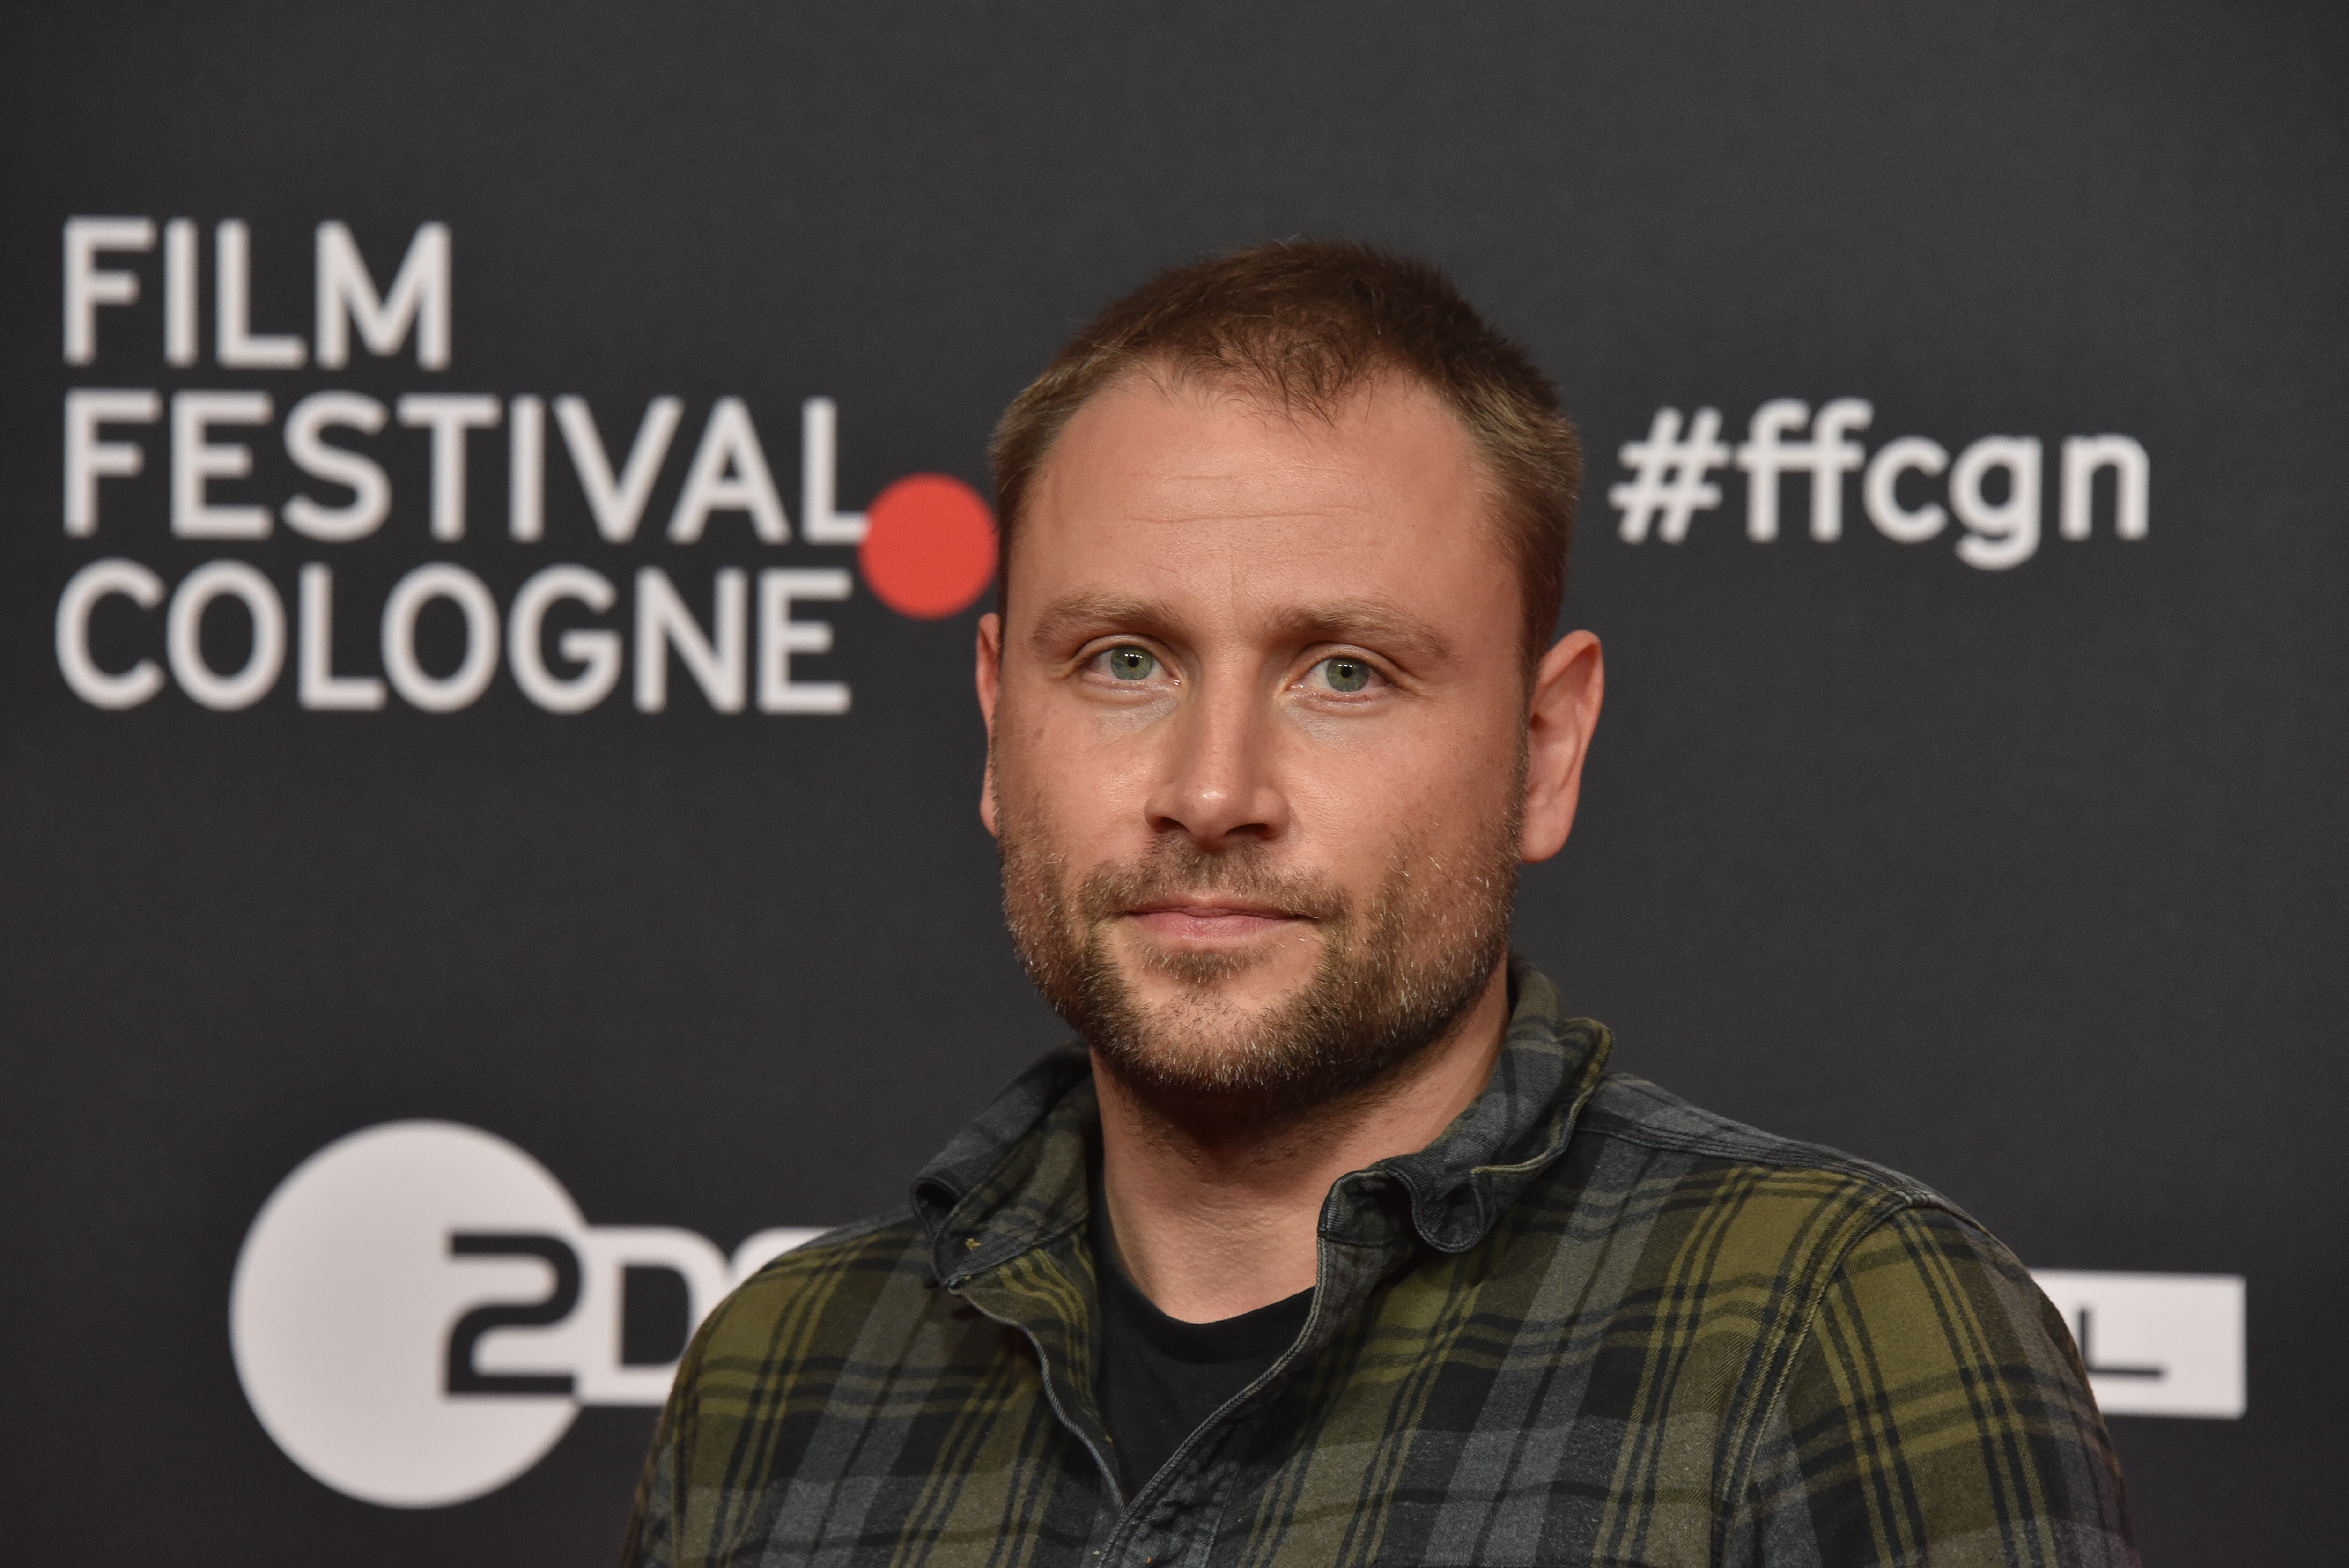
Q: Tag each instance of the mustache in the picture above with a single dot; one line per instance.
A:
(1177, 868)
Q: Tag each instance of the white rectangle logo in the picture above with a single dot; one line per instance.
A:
(2156, 1345)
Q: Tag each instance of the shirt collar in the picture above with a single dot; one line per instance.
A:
(1460, 1184)
(1016, 1177)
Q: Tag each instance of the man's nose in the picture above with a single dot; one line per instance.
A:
(1217, 783)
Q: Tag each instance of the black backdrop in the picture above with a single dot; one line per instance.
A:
(2029, 882)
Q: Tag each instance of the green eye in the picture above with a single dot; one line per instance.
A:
(1346, 674)
(1132, 663)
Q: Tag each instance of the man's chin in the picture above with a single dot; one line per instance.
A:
(1249, 977)
(1257, 1034)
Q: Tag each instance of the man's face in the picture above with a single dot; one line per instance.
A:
(1257, 717)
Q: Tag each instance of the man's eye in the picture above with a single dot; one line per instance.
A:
(1345, 674)
(1130, 663)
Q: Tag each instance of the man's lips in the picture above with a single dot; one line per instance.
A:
(1212, 920)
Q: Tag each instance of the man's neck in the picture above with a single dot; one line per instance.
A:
(1217, 1217)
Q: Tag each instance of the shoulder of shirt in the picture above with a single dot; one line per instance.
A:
(1632, 1110)
(867, 1257)
(875, 1238)
(1799, 1215)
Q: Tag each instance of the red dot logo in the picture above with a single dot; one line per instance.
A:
(929, 545)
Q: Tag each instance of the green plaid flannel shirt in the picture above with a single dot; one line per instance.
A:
(1590, 1324)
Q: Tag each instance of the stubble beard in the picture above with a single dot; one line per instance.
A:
(1393, 978)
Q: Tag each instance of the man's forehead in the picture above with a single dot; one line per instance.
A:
(1153, 487)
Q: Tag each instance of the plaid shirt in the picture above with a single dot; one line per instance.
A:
(1589, 1324)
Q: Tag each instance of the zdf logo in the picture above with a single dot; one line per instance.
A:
(420, 1310)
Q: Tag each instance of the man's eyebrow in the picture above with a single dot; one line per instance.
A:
(1383, 626)
(1089, 614)
(1379, 624)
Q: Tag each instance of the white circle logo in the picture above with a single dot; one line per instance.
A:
(344, 1296)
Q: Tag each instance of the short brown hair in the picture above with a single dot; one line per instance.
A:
(1303, 325)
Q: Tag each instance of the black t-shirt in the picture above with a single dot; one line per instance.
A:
(1160, 1377)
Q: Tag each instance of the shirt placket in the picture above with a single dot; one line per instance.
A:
(1176, 1515)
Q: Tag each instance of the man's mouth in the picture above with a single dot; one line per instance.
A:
(1212, 920)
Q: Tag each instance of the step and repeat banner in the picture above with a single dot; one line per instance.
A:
(495, 517)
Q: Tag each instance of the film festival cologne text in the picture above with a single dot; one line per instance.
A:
(563, 634)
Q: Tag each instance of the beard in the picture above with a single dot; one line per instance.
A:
(1395, 972)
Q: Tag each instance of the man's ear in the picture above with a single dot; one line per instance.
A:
(990, 680)
(1564, 709)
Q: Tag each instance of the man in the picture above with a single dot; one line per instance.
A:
(1334, 1240)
